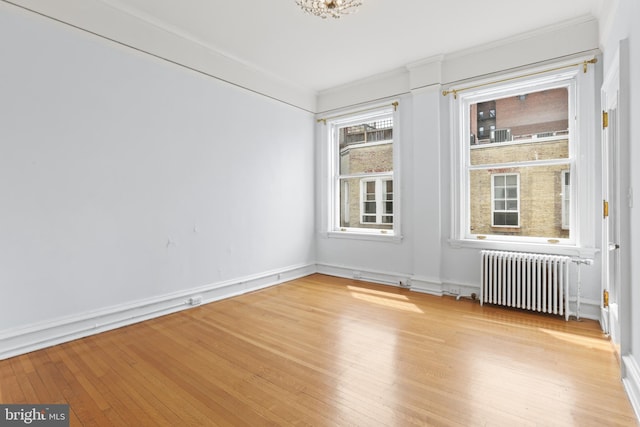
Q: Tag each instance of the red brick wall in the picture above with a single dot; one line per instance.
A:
(544, 111)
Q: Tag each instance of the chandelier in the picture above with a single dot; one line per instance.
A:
(332, 8)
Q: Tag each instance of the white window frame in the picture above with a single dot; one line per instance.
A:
(493, 200)
(565, 198)
(582, 115)
(330, 173)
(379, 199)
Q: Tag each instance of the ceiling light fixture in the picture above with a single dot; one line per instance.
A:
(332, 8)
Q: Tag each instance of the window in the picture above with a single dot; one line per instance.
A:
(376, 201)
(505, 201)
(362, 168)
(513, 178)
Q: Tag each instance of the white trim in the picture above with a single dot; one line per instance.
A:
(565, 197)
(375, 235)
(380, 277)
(149, 36)
(631, 382)
(37, 336)
(427, 285)
(543, 248)
(589, 309)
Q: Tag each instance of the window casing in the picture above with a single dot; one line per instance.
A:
(477, 219)
(362, 172)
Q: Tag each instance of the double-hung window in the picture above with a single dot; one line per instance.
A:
(514, 151)
(363, 188)
(505, 200)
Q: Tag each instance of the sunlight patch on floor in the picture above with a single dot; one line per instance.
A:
(384, 299)
(571, 338)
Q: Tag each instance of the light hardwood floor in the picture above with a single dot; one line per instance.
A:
(325, 351)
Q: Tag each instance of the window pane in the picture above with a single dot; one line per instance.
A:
(370, 207)
(499, 193)
(527, 127)
(511, 219)
(505, 219)
(499, 218)
(538, 202)
(349, 202)
(366, 147)
(388, 207)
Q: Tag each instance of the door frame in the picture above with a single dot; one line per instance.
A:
(617, 78)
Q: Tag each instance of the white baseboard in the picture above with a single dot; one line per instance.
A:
(631, 381)
(46, 334)
(589, 309)
(426, 285)
(384, 278)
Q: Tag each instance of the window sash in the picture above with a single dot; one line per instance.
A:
(462, 202)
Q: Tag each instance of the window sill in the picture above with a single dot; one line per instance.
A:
(543, 248)
(371, 236)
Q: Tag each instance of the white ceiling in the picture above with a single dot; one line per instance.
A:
(277, 38)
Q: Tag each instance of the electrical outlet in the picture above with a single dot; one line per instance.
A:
(454, 291)
(197, 300)
(357, 274)
(404, 283)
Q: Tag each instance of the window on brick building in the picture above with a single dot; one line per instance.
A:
(514, 170)
(363, 162)
(505, 200)
(376, 201)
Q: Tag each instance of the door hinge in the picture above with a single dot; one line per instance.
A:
(605, 209)
(605, 299)
(605, 120)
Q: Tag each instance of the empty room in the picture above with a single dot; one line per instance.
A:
(330, 213)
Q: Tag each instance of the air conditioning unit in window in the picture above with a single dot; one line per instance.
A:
(501, 135)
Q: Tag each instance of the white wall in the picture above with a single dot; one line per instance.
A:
(126, 180)
(620, 26)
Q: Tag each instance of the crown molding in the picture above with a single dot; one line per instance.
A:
(141, 33)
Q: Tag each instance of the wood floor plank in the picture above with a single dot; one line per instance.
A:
(326, 351)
